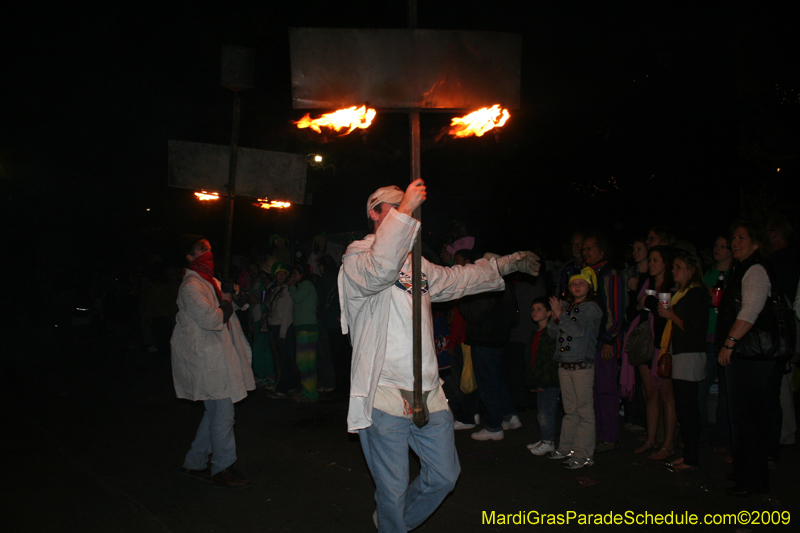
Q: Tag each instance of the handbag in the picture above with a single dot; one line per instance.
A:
(640, 347)
(773, 334)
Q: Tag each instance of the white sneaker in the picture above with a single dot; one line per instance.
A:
(485, 434)
(375, 518)
(513, 423)
(460, 425)
(541, 447)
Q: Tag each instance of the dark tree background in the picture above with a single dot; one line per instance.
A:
(632, 115)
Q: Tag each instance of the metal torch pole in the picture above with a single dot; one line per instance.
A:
(416, 279)
(416, 262)
(231, 184)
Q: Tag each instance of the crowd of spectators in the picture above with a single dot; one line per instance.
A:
(562, 339)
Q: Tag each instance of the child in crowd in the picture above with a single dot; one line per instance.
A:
(541, 376)
(575, 326)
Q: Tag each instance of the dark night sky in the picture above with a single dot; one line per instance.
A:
(689, 109)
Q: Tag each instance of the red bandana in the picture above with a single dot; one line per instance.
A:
(204, 266)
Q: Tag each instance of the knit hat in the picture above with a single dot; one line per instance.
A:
(277, 266)
(391, 195)
(587, 275)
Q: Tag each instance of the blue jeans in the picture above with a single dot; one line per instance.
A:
(721, 434)
(402, 507)
(492, 387)
(546, 407)
(214, 437)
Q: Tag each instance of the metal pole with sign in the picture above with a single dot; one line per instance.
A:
(411, 71)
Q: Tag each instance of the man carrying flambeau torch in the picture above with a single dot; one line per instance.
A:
(375, 287)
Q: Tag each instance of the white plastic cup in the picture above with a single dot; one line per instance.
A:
(663, 299)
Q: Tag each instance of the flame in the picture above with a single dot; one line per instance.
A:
(203, 195)
(350, 118)
(265, 203)
(479, 122)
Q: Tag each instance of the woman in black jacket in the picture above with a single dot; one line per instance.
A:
(685, 332)
(753, 380)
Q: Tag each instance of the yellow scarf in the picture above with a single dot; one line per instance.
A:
(666, 338)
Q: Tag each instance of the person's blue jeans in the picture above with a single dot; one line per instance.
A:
(721, 434)
(402, 507)
(214, 437)
(492, 387)
(546, 408)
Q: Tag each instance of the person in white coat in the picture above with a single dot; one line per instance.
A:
(210, 363)
(375, 287)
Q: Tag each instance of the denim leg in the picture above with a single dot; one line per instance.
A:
(435, 446)
(385, 444)
(546, 408)
(214, 437)
(721, 433)
(200, 450)
(492, 388)
(703, 389)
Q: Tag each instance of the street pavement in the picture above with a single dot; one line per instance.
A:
(96, 438)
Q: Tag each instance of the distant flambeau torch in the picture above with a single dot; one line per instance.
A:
(351, 118)
(265, 203)
(205, 196)
(479, 122)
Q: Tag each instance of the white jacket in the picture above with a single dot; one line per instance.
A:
(210, 361)
(370, 268)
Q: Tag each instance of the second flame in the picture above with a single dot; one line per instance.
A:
(265, 203)
(479, 122)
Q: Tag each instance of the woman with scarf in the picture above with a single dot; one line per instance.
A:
(210, 363)
(659, 261)
(685, 338)
(753, 382)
